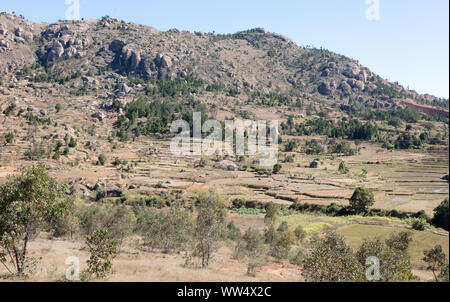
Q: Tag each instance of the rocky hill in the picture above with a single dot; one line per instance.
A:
(104, 54)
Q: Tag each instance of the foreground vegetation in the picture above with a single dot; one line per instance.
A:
(33, 202)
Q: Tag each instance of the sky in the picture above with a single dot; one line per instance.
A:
(401, 40)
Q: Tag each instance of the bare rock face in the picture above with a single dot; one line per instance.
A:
(346, 88)
(314, 164)
(163, 61)
(326, 87)
(55, 52)
(351, 70)
(100, 116)
(226, 165)
(3, 30)
(4, 43)
(357, 85)
(20, 32)
(370, 87)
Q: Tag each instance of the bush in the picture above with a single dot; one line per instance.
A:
(102, 250)
(72, 143)
(283, 239)
(395, 265)
(361, 200)
(291, 146)
(313, 147)
(331, 260)
(271, 213)
(118, 221)
(168, 231)
(399, 241)
(238, 203)
(102, 159)
(342, 168)
(234, 233)
(419, 224)
(251, 246)
(210, 225)
(9, 137)
(436, 261)
(276, 169)
(116, 162)
(440, 218)
(300, 234)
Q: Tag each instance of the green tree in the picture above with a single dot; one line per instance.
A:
(394, 263)
(291, 146)
(399, 241)
(102, 250)
(58, 107)
(28, 202)
(118, 221)
(9, 137)
(440, 217)
(276, 168)
(210, 225)
(342, 168)
(169, 231)
(283, 239)
(251, 248)
(361, 200)
(437, 262)
(331, 260)
(271, 213)
(102, 159)
(72, 142)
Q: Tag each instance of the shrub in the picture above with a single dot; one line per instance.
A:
(436, 261)
(440, 217)
(276, 168)
(399, 241)
(300, 234)
(238, 203)
(234, 233)
(283, 239)
(210, 225)
(288, 158)
(250, 246)
(394, 264)
(72, 143)
(291, 146)
(271, 213)
(361, 200)
(419, 224)
(102, 250)
(331, 260)
(118, 221)
(116, 162)
(169, 231)
(9, 137)
(102, 159)
(202, 163)
(342, 168)
(313, 147)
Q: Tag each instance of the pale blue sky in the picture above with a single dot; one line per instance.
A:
(409, 44)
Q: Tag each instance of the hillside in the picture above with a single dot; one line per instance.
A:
(94, 100)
